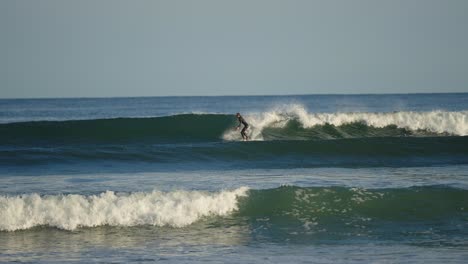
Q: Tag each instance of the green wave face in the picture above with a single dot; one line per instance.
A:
(297, 214)
(341, 203)
(190, 127)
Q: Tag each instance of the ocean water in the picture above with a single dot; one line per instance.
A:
(325, 179)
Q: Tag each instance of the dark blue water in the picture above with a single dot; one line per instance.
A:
(326, 178)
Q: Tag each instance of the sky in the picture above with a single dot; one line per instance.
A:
(113, 48)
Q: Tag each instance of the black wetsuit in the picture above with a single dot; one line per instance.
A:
(246, 125)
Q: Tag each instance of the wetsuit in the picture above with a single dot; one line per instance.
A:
(246, 125)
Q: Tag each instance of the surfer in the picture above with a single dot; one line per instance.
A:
(246, 125)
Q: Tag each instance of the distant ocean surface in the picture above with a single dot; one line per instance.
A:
(325, 179)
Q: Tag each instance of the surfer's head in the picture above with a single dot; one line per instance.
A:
(238, 114)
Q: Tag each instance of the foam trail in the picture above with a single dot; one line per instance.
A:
(455, 123)
(174, 209)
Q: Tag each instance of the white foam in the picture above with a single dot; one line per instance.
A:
(174, 209)
(437, 121)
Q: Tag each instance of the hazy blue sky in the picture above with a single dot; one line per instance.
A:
(59, 48)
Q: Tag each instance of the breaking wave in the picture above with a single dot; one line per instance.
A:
(304, 207)
(292, 122)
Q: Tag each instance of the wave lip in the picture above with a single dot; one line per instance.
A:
(173, 209)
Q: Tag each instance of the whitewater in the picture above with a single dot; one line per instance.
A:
(175, 209)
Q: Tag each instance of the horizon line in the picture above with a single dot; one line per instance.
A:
(229, 95)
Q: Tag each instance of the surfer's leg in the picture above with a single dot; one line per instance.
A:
(244, 135)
